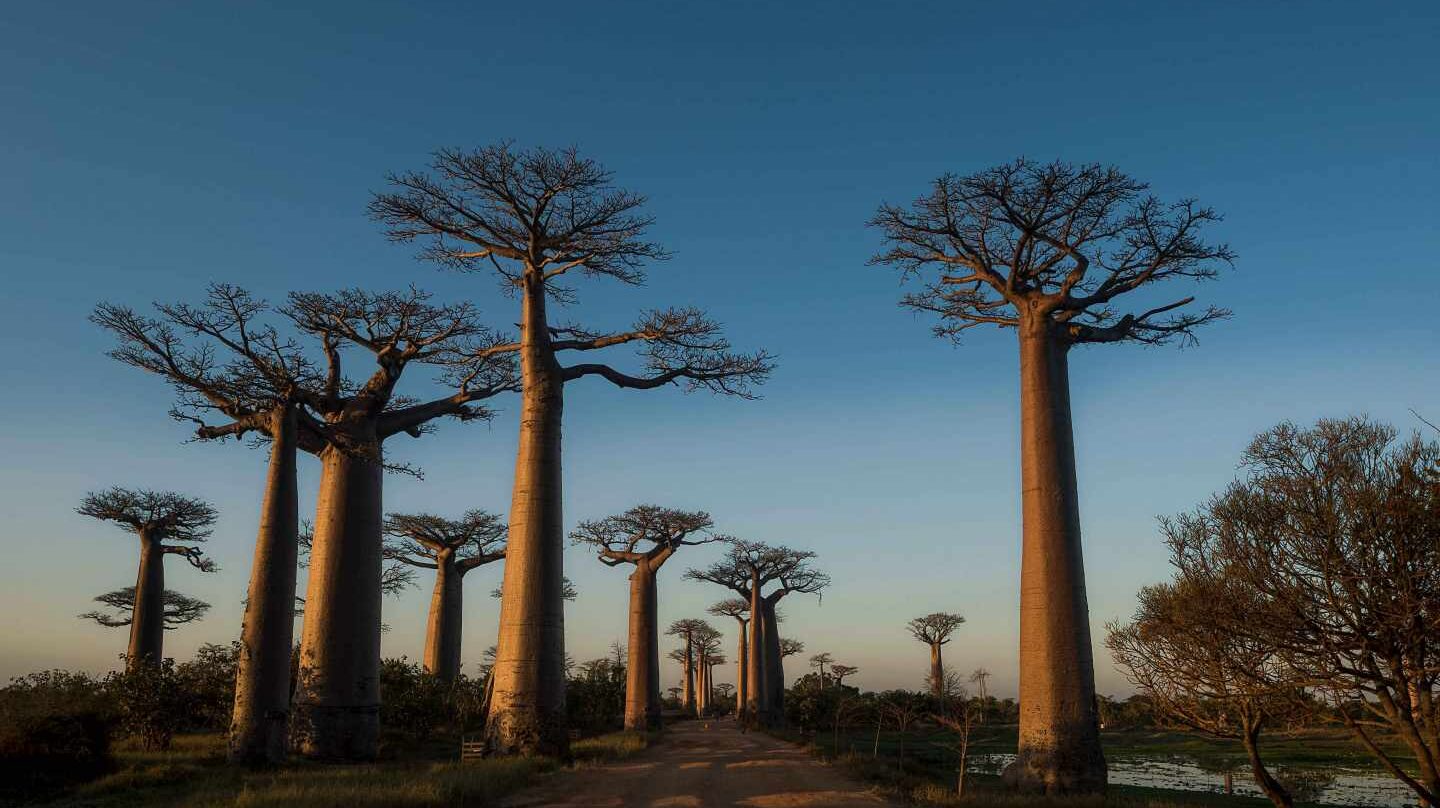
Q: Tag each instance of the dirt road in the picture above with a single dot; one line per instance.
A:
(695, 767)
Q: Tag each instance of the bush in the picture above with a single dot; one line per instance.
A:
(152, 702)
(209, 679)
(54, 731)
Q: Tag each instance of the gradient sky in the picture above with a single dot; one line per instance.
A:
(147, 149)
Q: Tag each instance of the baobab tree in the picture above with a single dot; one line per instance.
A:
(686, 629)
(451, 547)
(934, 630)
(166, 523)
(746, 570)
(259, 390)
(179, 609)
(707, 645)
(644, 537)
(739, 610)
(1048, 250)
(790, 647)
(981, 678)
(337, 697)
(538, 218)
(819, 661)
(840, 671)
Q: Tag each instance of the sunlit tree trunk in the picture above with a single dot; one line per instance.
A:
(742, 670)
(1275, 792)
(937, 672)
(687, 697)
(442, 635)
(1059, 749)
(642, 677)
(260, 720)
(527, 715)
(337, 701)
(758, 700)
(147, 621)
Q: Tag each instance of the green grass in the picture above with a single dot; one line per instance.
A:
(193, 774)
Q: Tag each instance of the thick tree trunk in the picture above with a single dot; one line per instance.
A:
(147, 615)
(642, 672)
(702, 664)
(937, 673)
(442, 634)
(1059, 750)
(757, 696)
(527, 715)
(1268, 784)
(742, 672)
(337, 702)
(774, 668)
(687, 697)
(261, 718)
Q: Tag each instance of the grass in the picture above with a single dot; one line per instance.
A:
(193, 774)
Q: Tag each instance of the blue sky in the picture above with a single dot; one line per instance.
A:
(147, 149)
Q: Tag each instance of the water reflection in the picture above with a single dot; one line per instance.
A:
(1329, 786)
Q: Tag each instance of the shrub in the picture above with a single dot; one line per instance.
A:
(209, 679)
(152, 701)
(54, 731)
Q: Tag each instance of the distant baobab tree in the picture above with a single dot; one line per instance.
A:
(746, 570)
(534, 217)
(685, 629)
(789, 647)
(644, 537)
(451, 547)
(739, 610)
(934, 630)
(1048, 250)
(840, 671)
(707, 648)
(179, 609)
(166, 524)
(819, 661)
(980, 678)
(259, 387)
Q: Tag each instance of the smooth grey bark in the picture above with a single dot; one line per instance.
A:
(443, 628)
(759, 695)
(337, 700)
(260, 721)
(147, 627)
(642, 679)
(527, 713)
(1059, 748)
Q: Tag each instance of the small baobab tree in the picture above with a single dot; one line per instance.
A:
(818, 662)
(451, 547)
(840, 671)
(644, 537)
(707, 646)
(166, 523)
(791, 647)
(981, 679)
(179, 609)
(1049, 250)
(745, 570)
(739, 610)
(537, 219)
(686, 629)
(934, 630)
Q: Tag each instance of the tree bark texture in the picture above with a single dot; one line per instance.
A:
(937, 672)
(1268, 784)
(742, 672)
(757, 696)
(1059, 750)
(337, 701)
(261, 718)
(147, 617)
(442, 633)
(642, 674)
(774, 668)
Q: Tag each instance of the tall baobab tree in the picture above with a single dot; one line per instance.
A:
(840, 671)
(934, 630)
(179, 609)
(819, 661)
(451, 547)
(1048, 250)
(260, 389)
(538, 218)
(746, 570)
(644, 537)
(337, 697)
(686, 630)
(166, 523)
(739, 610)
(707, 646)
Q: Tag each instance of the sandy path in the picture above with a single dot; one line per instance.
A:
(695, 766)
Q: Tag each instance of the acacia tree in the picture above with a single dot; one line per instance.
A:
(166, 524)
(840, 671)
(451, 547)
(1047, 250)
(746, 570)
(1333, 530)
(260, 389)
(178, 609)
(538, 218)
(686, 629)
(337, 697)
(934, 630)
(644, 537)
(1185, 649)
(739, 610)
